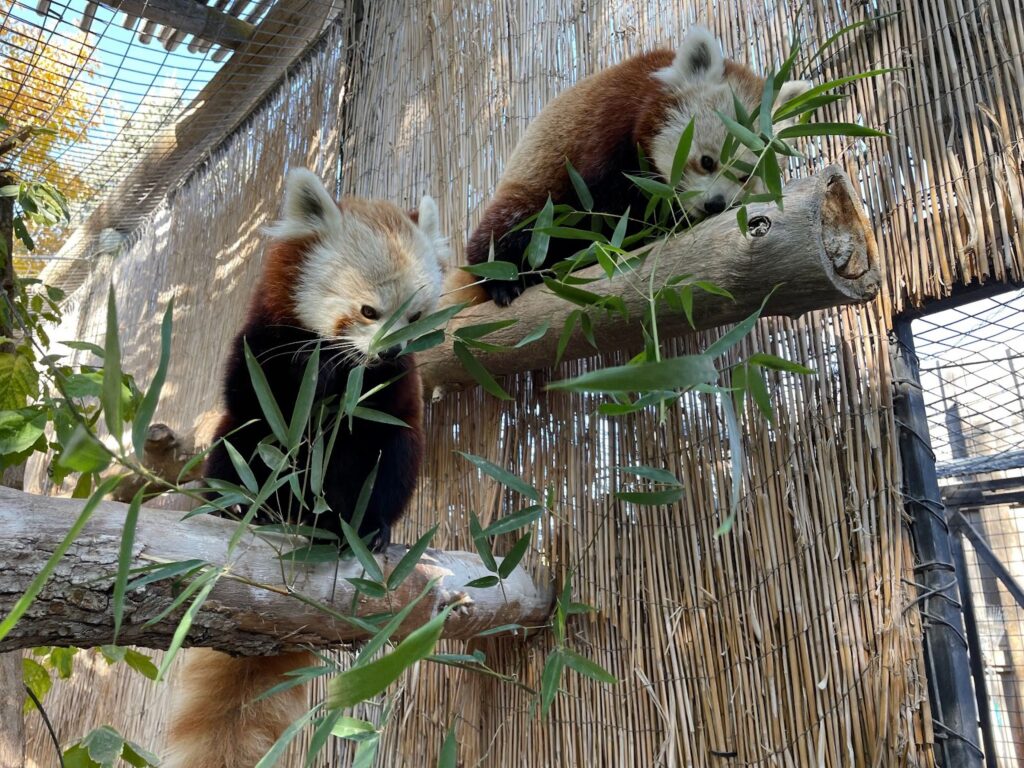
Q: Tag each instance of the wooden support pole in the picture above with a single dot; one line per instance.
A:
(189, 17)
(819, 252)
(249, 611)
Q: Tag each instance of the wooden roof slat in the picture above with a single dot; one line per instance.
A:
(188, 17)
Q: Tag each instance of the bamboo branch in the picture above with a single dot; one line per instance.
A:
(819, 252)
(250, 611)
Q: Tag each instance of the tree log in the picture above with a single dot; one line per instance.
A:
(819, 252)
(249, 611)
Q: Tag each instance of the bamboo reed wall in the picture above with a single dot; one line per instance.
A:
(794, 639)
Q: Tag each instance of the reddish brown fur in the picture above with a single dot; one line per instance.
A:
(230, 729)
(274, 293)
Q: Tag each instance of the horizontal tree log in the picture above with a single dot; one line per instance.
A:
(189, 17)
(819, 252)
(250, 611)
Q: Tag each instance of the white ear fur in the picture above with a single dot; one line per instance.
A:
(429, 223)
(791, 89)
(308, 207)
(699, 59)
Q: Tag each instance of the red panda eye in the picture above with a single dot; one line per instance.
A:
(414, 317)
(744, 179)
(707, 163)
(369, 312)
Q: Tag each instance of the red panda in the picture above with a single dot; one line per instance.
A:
(333, 274)
(598, 125)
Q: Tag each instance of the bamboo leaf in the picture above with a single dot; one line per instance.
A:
(588, 668)
(410, 559)
(503, 476)
(677, 373)
(662, 476)
(682, 154)
(124, 558)
(743, 135)
(514, 556)
(776, 363)
(361, 552)
(304, 399)
(480, 374)
(144, 417)
(651, 498)
(578, 184)
(360, 683)
(110, 396)
(830, 129)
(515, 521)
(493, 270)
(537, 250)
(549, 680)
(268, 405)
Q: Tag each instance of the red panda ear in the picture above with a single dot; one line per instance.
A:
(698, 60)
(428, 220)
(309, 209)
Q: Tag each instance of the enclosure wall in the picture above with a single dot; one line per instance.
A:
(793, 639)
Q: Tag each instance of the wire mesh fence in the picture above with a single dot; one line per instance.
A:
(972, 359)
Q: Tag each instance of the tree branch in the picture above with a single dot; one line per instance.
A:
(819, 252)
(250, 610)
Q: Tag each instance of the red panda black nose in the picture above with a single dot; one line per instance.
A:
(391, 352)
(714, 204)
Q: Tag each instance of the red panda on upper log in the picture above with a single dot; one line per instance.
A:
(598, 125)
(333, 275)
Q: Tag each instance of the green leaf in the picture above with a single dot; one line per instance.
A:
(534, 335)
(149, 402)
(268, 405)
(19, 381)
(311, 553)
(448, 757)
(566, 335)
(578, 184)
(351, 727)
(741, 219)
(743, 135)
(137, 756)
(363, 500)
(794, 106)
(537, 249)
(141, 663)
(366, 752)
(362, 554)
(379, 417)
(186, 622)
(358, 684)
(484, 582)
(662, 476)
(830, 129)
(124, 558)
(681, 156)
(493, 270)
(736, 462)
(77, 756)
(776, 363)
(290, 529)
(37, 583)
(427, 341)
(515, 521)
(682, 372)
(37, 679)
(651, 498)
(711, 288)
(367, 587)
(588, 668)
(472, 332)
(83, 453)
(514, 556)
(503, 476)
(274, 754)
(376, 642)
(110, 397)
(732, 337)
(514, 628)
(759, 392)
(20, 430)
(242, 468)
(161, 572)
(410, 559)
(422, 326)
(767, 99)
(549, 680)
(304, 399)
(659, 190)
(482, 543)
(104, 745)
(480, 374)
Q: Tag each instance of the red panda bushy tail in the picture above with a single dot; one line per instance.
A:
(216, 722)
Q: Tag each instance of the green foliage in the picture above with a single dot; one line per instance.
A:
(104, 747)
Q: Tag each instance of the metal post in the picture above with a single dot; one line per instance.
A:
(954, 709)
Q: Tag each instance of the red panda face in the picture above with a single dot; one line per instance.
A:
(703, 83)
(363, 260)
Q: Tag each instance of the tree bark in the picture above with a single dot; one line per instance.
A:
(819, 252)
(250, 611)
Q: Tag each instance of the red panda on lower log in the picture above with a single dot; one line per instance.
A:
(333, 275)
(598, 125)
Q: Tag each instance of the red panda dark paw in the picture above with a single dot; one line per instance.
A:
(503, 292)
(382, 539)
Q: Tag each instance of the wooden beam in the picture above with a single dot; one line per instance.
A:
(190, 17)
(253, 611)
(819, 252)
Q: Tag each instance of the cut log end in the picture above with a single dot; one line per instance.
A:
(848, 243)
